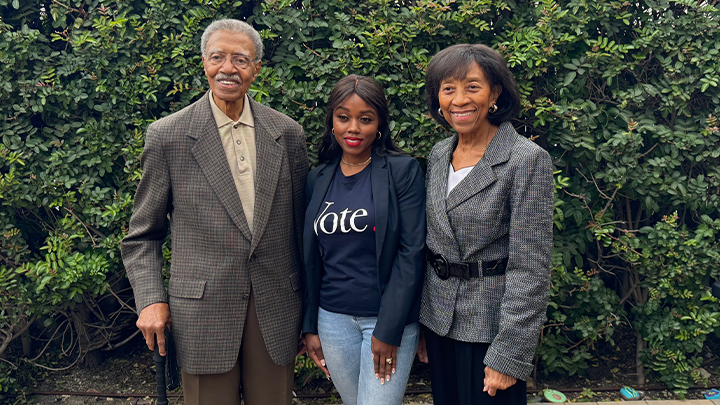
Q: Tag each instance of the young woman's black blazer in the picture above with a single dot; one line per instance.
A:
(399, 198)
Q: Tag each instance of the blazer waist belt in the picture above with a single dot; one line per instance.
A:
(445, 269)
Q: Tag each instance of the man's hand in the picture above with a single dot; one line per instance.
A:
(314, 350)
(382, 351)
(151, 322)
(495, 380)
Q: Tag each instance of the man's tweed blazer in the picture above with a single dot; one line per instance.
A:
(215, 258)
(503, 208)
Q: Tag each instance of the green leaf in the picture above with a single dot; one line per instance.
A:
(569, 78)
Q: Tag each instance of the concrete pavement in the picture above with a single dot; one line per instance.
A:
(640, 402)
(665, 402)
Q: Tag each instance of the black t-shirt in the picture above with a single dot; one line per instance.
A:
(345, 228)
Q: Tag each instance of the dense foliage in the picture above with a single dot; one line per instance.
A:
(623, 95)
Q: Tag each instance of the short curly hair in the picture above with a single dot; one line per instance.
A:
(232, 25)
(455, 62)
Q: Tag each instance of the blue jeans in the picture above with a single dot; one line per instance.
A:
(345, 343)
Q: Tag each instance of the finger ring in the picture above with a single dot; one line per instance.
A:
(388, 360)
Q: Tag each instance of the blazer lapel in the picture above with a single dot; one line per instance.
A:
(320, 188)
(269, 162)
(482, 175)
(209, 154)
(380, 187)
(437, 188)
(479, 177)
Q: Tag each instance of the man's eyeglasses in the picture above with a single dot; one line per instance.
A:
(239, 61)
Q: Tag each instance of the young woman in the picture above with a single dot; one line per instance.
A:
(364, 244)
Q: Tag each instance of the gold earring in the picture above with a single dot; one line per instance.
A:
(379, 135)
(332, 130)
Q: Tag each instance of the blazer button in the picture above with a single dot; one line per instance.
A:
(251, 258)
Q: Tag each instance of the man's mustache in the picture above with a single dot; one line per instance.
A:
(223, 76)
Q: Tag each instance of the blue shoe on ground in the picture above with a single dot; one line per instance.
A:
(629, 394)
(712, 394)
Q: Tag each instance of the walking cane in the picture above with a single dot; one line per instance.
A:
(160, 376)
(166, 371)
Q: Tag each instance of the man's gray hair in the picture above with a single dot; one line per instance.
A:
(232, 25)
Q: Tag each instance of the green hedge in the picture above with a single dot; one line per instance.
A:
(624, 95)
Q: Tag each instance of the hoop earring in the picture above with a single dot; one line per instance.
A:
(379, 135)
(332, 130)
(493, 109)
(440, 112)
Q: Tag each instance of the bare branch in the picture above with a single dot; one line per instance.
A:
(49, 341)
(80, 355)
(94, 244)
(8, 362)
(609, 203)
(9, 336)
(129, 338)
(649, 150)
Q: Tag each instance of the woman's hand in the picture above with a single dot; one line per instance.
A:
(381, 352)
(495, 380)
(422, 349)
(301, 348)
(314, 349)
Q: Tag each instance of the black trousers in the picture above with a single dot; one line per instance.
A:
(457, 373)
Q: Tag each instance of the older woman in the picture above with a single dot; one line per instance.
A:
(489, 237)
(364, 244)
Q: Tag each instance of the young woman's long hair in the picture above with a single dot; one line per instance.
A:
(370, 92)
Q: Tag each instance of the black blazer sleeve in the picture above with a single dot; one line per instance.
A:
(402, 260)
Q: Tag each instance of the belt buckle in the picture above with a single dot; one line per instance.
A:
(464, 271)
(440, 265)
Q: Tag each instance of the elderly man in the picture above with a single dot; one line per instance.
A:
(228, 176)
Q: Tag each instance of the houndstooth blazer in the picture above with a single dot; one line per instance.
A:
(216, 260)
(503, 208)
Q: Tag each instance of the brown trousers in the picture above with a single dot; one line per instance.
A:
(255, 376)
